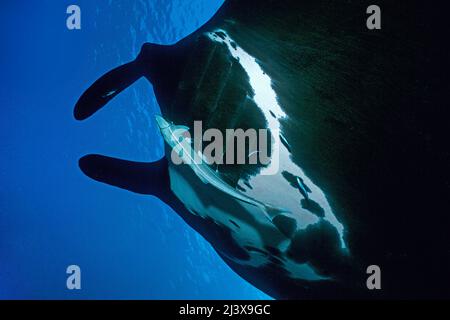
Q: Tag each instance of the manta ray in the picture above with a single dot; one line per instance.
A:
(343, 101)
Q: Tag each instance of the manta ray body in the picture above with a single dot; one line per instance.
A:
(335, 95)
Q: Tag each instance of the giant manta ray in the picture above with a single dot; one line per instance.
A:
(344, 102)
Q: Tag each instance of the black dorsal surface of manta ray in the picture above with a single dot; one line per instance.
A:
(358, 153)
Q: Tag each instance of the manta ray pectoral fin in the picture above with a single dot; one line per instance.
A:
(139, 177)
(106, 88)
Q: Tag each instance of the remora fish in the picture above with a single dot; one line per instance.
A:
(174, 136)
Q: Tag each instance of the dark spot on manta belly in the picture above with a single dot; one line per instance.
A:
(313, 207)
(290, 178)
(221, 35)
(286, 225)
(323, 254)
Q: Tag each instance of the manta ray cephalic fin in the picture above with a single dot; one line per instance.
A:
(106, 88)
(139, 177)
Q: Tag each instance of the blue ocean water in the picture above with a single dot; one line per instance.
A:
(128, 246)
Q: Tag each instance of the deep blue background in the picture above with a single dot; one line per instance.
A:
(51, 215)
